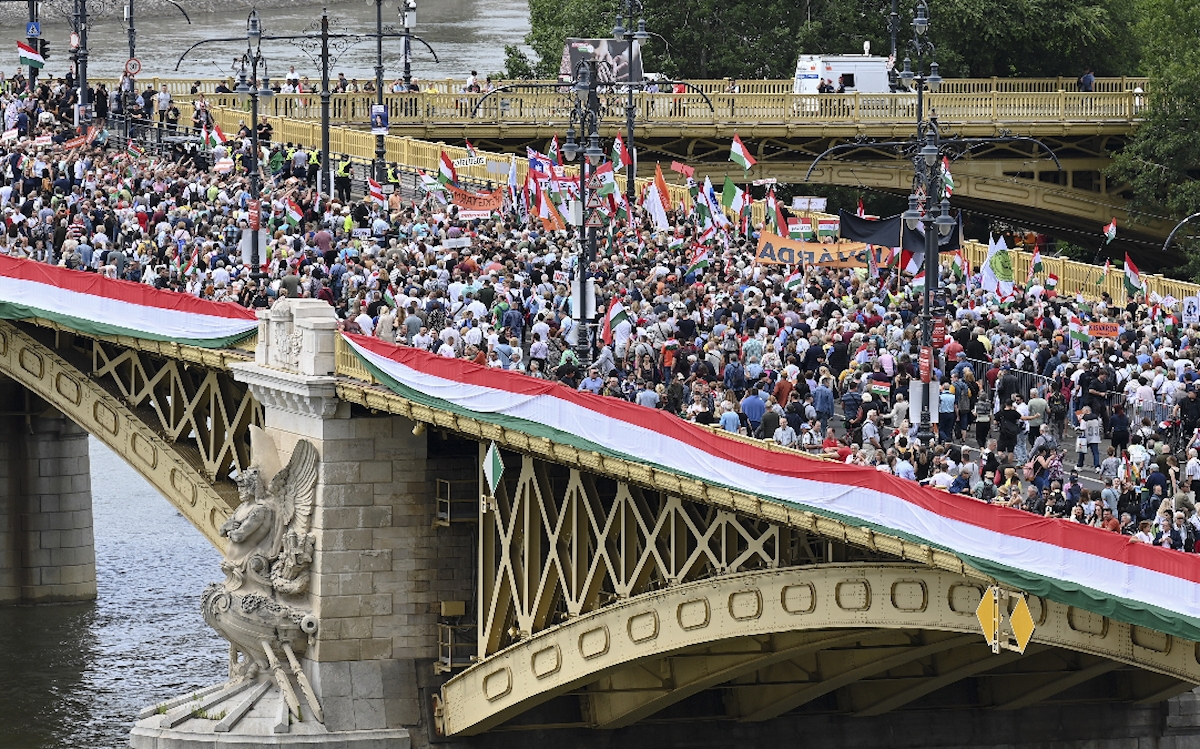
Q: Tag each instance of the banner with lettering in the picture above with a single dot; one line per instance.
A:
(476, 201)
(776, 250)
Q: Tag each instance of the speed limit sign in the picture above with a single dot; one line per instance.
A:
(133, 66)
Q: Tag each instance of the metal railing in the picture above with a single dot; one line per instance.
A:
(552, 108)
(181, 86)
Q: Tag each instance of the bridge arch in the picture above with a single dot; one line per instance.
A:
(172, 455)
(776, 640)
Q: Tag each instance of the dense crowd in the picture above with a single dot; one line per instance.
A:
(1100, 432)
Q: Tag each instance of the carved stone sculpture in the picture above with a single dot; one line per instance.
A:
(260, 607)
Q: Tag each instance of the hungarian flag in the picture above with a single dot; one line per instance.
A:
(446, 172)
(733, 197)
(294, 214)
(958, 266)
(1104, 275)
(861, 211)
(470, 148)
(620, 154)
(827, 227)
(740, 155)
(799, 228)
(191, 263)
(947, 180)
(1035, 264)
(27, 55)
(1078, 333)
(134, 150)
(793, 281)
(1052, 281)
(555, 152)
(699, 260)
(1133, 279)
(375, 190)
(214, 137)
(1110, 231)
(608, 182)
(615, 316)
(918, 282)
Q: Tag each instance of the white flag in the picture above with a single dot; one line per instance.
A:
(997, 272)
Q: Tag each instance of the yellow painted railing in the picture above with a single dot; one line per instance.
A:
(550, 108)
(182, 86)
(1082, 278)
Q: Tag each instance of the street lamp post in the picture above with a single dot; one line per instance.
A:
(640, 36)
(250, 89)
(408, 19)
(585, 113)
(380, 148)
(926, 174)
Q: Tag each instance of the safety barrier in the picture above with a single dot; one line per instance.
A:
(183, 86)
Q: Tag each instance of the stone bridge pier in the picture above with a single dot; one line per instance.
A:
(47, 554)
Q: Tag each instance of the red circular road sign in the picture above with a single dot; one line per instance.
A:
(133, 66)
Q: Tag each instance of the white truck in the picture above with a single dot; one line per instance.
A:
(863, 73)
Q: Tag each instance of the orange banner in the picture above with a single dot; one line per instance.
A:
(1103, 329)
(476, 201)
(776, 250)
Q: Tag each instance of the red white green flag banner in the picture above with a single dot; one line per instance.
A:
(1072, 564)
(97, 305)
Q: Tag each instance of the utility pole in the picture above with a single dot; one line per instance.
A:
(326, 175)
(33, 42)
(132, 29)
(81, 57)
(380, 148)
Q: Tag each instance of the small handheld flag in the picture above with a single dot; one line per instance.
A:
(1110, 231)
(739, 154)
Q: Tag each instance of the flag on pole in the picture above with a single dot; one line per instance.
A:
(733, 197)
(1035, 263)
(608, 182)
(493, 468)
(794, 281)
(27, 55)
(699, 260)
(1104, 275)
(1052, 281)
(1079, 334)
(615, 315)
(375, 191)
(997, 276)
(947, 180)
(447, 174)
(294, 214)
(958, 266)
(827, 227)
(1133, 279)
(470, 149)
(214, 136)
(684, 169)
(918, 282)
(799, 228)
(134, 150)
(1110, 231)
(861, 211)
(555, 153)
(740, 155)
(657, 199)
(620, 154)
(191, 263)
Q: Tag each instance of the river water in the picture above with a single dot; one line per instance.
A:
(466, 35)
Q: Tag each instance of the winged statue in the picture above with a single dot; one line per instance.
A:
(261, 607)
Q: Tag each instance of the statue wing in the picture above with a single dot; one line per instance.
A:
(295, 487)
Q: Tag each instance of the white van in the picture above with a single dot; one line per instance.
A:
(864, 73)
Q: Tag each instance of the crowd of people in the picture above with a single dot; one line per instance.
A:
(1099, 432)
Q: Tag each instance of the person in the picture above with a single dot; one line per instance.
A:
(1087, 81)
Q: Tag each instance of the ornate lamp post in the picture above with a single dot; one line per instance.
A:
(640, 36)
(250, 89)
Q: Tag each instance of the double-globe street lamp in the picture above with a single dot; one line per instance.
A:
(629, 36)
(251, 89)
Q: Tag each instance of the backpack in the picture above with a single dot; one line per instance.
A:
(1058, 404)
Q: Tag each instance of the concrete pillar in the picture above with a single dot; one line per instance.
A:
(47, 553)
(379, 569)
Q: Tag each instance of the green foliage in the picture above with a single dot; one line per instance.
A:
(517, 66)
(762, 38)
(1161, 165)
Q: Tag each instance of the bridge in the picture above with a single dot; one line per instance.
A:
(462, 555)
(786, 131)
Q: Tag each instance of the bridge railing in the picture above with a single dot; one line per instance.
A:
(179, 86)
(552, 108)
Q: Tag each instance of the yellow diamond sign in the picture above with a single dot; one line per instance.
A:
(988, 613)
(1022, 623)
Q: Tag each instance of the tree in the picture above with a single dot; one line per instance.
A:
(517, 66)
(1161, 164)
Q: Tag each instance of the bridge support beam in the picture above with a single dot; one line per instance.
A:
(47, 553)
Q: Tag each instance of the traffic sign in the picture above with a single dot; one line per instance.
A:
(74, 40)
(988, 613)
(133, 66)
(33, 29)
(595, 219)
(594, 200)
(1022, 623)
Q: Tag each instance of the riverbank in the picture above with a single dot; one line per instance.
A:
(58, 10)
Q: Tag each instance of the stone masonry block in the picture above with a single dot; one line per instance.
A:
(339, 473)
(377, 604)
(329, 679)
(337, 650)
(336, 517)
(375, 471)
(375, 517)
(368, 714)
(366, 679)
(345, 539)
(355, 584)
(377, 648)
(376, 560)
(348, 450)
(336, 562)
(377, 428)
(357, 628)
(339, 606)
(345, 495)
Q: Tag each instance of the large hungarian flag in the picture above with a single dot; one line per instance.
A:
(615, 315)
(604, 175)
(27, 55)
(294, 213)
(447, 174)
(1133, 279)
(740, 155)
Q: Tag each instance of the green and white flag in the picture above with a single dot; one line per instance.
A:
(493, 468)
(27, 55)
(732, 197)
